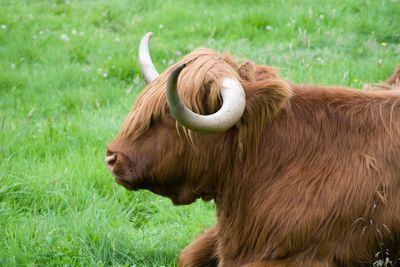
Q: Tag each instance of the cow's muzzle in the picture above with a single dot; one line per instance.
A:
(120, 167)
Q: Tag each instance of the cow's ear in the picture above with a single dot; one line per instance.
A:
(247, 71)
(251, 72)
(264, 99)
(265, 72)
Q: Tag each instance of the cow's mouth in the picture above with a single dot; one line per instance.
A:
(206, 196)
(124, 184)
(134, 185)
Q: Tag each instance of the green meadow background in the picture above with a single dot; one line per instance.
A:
(69, 75)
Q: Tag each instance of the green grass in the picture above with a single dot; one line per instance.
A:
(69, 75)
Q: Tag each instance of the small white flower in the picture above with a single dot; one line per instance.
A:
(74, 32)
(161, 26)
(64, 37)
(268, 28)
(4, 27)
(105, 74)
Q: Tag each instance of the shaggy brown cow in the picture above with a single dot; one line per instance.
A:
(300, 175)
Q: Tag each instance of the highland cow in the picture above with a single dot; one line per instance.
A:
(300, 175)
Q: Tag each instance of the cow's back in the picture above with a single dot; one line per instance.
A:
(327, 183)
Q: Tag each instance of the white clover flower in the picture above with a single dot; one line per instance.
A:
(64, 37)
(268, 28)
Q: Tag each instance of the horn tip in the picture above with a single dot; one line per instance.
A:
(147, 36)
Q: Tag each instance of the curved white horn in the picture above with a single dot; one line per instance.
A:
(146, 64)
(234, 102)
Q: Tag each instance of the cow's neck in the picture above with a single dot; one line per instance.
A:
(210, 162)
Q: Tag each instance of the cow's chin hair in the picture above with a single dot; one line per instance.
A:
(177, 196)
(181, 198)
(127, 186)
(184, 200)
(131, 184)
(190, 197)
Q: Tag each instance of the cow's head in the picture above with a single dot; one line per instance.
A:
(193, 123)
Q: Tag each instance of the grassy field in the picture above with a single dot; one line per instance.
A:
(69, 75)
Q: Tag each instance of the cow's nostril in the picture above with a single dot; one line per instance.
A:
(110, 160)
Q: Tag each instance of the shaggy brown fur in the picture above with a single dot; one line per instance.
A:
(310, 176)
